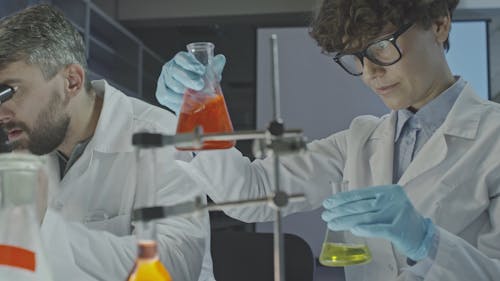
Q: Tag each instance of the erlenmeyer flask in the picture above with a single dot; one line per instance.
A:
(336, 252)
(207, 107)
(21, 254)
(340, 248)
(148, 266)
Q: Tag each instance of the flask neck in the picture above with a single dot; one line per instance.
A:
(202, 51)
(147, 250)
(23, 187)
(146, 236)
(18, 188)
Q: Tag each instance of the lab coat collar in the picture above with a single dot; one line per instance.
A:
(382, 160)
(432, 115)
(463, 119)
(386, 129)
(114, 129)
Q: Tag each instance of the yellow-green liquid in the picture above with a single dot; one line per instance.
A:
(335, 254)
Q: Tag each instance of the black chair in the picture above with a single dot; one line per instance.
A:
(248, 256)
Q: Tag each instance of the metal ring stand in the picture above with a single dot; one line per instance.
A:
(275, 139)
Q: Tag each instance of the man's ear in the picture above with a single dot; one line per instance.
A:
(74, 79)
(441, 28)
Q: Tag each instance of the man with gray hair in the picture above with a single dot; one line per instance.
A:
(86, 128)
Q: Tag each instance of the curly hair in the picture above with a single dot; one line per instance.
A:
(41, 35)
(342, 24)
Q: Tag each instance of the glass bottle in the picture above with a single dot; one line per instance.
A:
(207, 107)
(147, 265)
(23, 185)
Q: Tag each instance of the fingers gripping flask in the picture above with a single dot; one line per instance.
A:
(207, 107)
(23, 184)
(341, 248)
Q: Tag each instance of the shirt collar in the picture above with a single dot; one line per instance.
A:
(433, 114)
(402, 117)
(65, 162)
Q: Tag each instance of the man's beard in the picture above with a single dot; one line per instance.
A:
(48, 132)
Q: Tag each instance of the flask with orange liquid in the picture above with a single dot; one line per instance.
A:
(147, 265)
(205, 108)
(22, 187)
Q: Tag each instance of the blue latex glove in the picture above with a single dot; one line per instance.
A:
(182, 72)
(383, 212)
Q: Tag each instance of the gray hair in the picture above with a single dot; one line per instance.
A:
(41, 35)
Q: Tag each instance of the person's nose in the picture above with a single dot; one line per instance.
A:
(371, 70)
(5, 114)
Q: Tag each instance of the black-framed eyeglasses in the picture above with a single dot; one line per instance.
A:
(383, 52)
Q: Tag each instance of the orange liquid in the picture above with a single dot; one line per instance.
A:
(209, 112)
(148, 267)
(17, 257)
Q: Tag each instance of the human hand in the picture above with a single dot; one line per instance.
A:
(383, 212)
(182, 72)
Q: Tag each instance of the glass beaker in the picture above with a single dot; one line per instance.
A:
(207, 107)
(147, 265)
(337, 252)
(22, 185)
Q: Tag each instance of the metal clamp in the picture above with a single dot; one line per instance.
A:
(278, 200)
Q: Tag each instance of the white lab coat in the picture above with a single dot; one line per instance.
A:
(454, 180)
(87, 228)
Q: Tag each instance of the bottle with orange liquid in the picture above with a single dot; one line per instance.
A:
(207, 107)
(147, 265)
(22, 181)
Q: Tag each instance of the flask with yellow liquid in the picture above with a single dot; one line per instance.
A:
(340, 250)
(336, 252)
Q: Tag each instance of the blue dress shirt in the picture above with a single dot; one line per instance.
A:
(413, 130)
